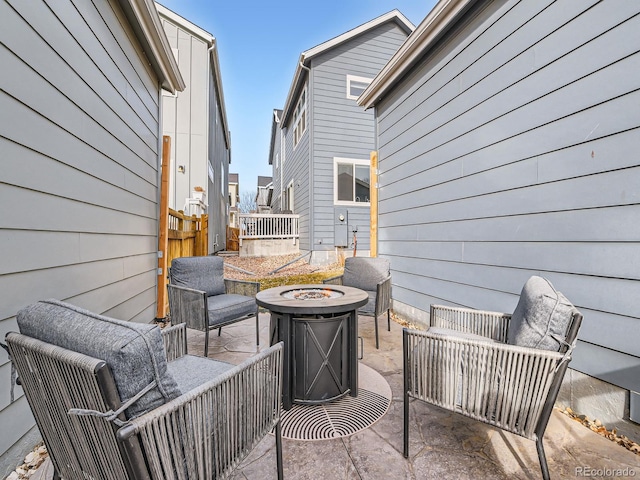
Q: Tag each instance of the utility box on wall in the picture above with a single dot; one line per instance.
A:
(341, 228)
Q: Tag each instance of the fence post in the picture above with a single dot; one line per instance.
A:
(163, 230)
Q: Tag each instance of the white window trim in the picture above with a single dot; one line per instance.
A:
(354, 78)
(290, 197)
(354, 162)
(296, 118)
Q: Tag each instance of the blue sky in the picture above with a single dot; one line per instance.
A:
(259, 44)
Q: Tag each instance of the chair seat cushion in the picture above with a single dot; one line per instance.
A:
(541, 318)
(229, 306)
(134, 351)
(370, 307)
(190, 371)
(460, 334)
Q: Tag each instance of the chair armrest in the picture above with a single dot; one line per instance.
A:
(497, 383)
(175, 341)
(337, 280)
(212, 415)
(493, 325)
(383, 296)
(241, 287)
(187, 305)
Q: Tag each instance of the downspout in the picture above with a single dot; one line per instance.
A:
(309, 126)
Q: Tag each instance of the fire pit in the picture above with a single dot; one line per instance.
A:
(319, 327)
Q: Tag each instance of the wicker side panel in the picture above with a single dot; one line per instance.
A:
(502, 385)
(207, 432)
(55, 380)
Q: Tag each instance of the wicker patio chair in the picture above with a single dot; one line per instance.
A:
(201, 297)
(498, 368)
(373, 275)
(180, 417)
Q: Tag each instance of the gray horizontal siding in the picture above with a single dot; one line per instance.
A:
(340, 127)
(510, 151)
(79, 145)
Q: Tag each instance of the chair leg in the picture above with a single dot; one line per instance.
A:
(543, 459)
(279, 450)
(206, 343)
(219, 331)
(376, 322)
(406, 425)
(257, 329)
(389, 320)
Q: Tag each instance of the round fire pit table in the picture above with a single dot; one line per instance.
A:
(319, 327)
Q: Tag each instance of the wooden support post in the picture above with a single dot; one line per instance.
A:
(373, 238)
(163, 230)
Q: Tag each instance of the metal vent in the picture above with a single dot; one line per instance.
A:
(340, 418)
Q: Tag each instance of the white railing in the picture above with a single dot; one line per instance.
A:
(264, 226)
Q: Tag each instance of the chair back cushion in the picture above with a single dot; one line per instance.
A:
(134, 351)
(201, 273)
(541, 318)
(365, 272)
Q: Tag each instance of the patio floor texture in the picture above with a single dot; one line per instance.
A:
(442, 444)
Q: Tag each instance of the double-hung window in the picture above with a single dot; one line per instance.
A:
(300, 117)
(351, 181)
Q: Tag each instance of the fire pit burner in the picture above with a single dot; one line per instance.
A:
(311, 293)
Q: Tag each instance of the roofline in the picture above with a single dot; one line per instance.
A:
(424, 36)
(212, 49)
(306, 56)
(143, 17)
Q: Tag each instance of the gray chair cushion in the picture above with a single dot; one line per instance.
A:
(370, 307)
(190, 371)
(200, 273)
(227, 307)
(134, 351)
(365, 273)
(541, 318)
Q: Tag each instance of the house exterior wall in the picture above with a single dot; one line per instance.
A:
(337, 128)
(192, 119)
(510, 150)
(79, 123)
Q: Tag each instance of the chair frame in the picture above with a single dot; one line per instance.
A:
(55, 379)
(181, 298)
(382, 304)
(523, 408)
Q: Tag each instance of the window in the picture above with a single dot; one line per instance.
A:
(351, 181)
(287, 204)
(300, 118)
(356, 85)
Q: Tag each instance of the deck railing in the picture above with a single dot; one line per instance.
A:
(265, 226)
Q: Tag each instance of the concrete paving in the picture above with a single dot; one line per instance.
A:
(442, 444)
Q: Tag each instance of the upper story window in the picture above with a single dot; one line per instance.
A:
(356, 85)
(300, 118)
(351, 183)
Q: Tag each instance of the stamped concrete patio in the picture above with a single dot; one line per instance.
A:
(443, 445)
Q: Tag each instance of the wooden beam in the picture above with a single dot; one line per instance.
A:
(373, 237)
(163, 230)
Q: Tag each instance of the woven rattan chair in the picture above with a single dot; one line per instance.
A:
(501, 369)
(201, 297)
(195, 418)
(373, 275)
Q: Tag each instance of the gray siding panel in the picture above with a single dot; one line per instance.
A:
(79, 145)
(341, 128)
(509, 151)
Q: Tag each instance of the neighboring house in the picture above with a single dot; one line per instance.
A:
(321, 141)
(264, 194)
(507, 147)
(196, 121)
(234, 199)
(80, 147)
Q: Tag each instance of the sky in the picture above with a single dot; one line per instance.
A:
(259, 44)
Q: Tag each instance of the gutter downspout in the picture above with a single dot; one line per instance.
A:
(310, 127)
